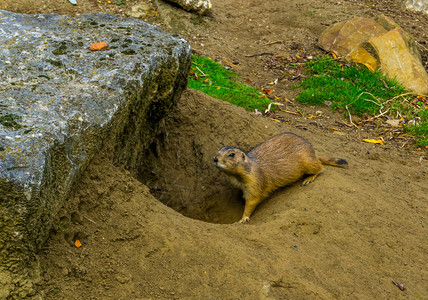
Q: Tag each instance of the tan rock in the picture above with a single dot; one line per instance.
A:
(378, 43)
(345, 37)
(397, 61)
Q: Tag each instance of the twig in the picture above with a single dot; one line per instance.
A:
(274, 103)
(229, 63)
(89, 219)
(290, 112)
(271, 43)
(203, 74)
(423, 47)
(259, 54)
(379, 115)
(405, 94)
(350, 117)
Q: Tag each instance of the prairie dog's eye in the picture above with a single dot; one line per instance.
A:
(232, 154)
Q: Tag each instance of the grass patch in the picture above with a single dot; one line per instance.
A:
(352, 86)
(214, 80)
(359, 91)
(421, 129)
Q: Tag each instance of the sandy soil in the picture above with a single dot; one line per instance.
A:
(169, 231)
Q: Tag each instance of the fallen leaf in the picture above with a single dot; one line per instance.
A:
(266, 91)
(248, 80)
(310, 117)
(99, 46)
(349, 125)
(368, 66)
(77, 243)
(374, 141)
(399, 285)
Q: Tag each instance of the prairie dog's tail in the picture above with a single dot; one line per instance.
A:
(337, 162)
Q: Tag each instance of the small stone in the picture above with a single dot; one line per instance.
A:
(199, 6)
(319, 113)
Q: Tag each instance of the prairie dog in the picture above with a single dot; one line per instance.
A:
(279, 161)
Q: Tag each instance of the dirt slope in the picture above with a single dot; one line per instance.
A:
(348, 234)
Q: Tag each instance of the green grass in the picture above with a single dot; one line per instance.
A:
(421, 130)
(214, 80)
(362, 92)
(352, 86)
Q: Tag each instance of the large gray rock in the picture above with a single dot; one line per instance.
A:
(59, 102)
(417, 5)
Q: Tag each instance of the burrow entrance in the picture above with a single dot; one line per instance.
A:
(178, 167)
(180, 173)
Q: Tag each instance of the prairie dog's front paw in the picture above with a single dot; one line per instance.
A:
(244, 220)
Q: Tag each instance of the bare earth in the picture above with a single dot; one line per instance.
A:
(347, 235)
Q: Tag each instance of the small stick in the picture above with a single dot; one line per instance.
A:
(350, 117)
(259, 54)
(228, 62)
(271, 43)
(291, 112)
(89, 219)
(203, 74)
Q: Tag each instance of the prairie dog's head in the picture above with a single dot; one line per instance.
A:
(230, 160)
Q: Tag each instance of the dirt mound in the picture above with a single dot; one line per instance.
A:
(349, 233)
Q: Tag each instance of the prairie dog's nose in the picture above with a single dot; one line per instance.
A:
(215, 159)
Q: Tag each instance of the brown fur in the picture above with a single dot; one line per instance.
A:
(279, 161)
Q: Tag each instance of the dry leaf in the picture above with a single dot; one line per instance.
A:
(266, 91)
(99, 46)
(368, 66)
(248, 80)
(77, 243)
(310, 117)
(374, 141)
